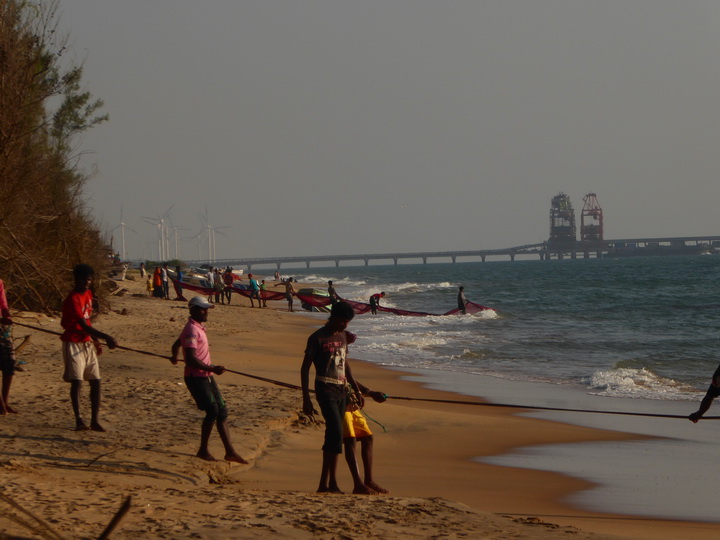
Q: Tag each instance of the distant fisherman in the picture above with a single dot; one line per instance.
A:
(332, 293)
(462, 301)
(375, 302)
(289, 292)
(254, 291)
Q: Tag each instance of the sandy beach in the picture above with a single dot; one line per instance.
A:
(76, 481)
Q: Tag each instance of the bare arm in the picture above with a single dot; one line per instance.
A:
(191, 360)
(305, 384)
(97, 334)
(708, 399)
(377, 396)
(175, 349)
(704, 406)
(354, 384)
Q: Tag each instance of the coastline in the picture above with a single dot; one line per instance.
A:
(426, 459)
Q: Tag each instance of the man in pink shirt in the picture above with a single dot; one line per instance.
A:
(7, 354)
(199, 380)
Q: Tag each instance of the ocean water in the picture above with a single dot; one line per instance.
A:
(632, 335)
(644, 327)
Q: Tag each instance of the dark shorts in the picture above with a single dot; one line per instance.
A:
(332, 401)
(7, 356)
(288, 297)
(205, 392)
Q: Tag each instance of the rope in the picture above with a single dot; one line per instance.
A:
(541, 408)
(366, 415)
(426, 400)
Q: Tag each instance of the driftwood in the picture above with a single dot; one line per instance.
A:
(28, 520)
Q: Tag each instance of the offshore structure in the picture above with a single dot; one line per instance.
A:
(591, 221)
(562, 243)
(563, 231)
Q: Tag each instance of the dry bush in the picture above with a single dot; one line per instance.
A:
(45, 228)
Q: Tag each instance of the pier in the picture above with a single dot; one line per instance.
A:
(624, 247)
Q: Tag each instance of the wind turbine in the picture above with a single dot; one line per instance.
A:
(122, 227)
(162, 231)
(208, 232)
(175, 229)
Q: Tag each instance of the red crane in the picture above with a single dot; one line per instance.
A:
(591, 220)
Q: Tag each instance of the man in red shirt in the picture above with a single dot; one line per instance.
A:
(81, 346)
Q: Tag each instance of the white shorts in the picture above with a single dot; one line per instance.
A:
(81, 361)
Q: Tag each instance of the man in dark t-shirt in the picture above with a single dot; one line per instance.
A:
(462, 301)
(326, 350)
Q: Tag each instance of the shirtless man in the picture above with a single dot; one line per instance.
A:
(289, 292)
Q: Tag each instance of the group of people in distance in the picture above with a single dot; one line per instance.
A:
(338, 394)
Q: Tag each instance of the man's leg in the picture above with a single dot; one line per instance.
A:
(328, 479)
(333, 410)
(366, 450)
(75, 400)
(359, 488)
(205, 431)
(6, 383)
(230, 453)
(95, 405)
(3, 407)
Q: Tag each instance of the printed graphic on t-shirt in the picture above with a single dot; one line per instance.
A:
(335, 349)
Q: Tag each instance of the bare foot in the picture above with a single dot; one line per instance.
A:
(362, 489)
(375, 487)
(95, 426)
(80, 426)
(335, 489)
(207, 456)
(9, 409)
(236, 458)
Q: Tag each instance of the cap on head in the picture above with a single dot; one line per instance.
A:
(199, 301)
(249, 275)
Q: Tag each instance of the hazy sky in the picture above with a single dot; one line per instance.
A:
(345, 126)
